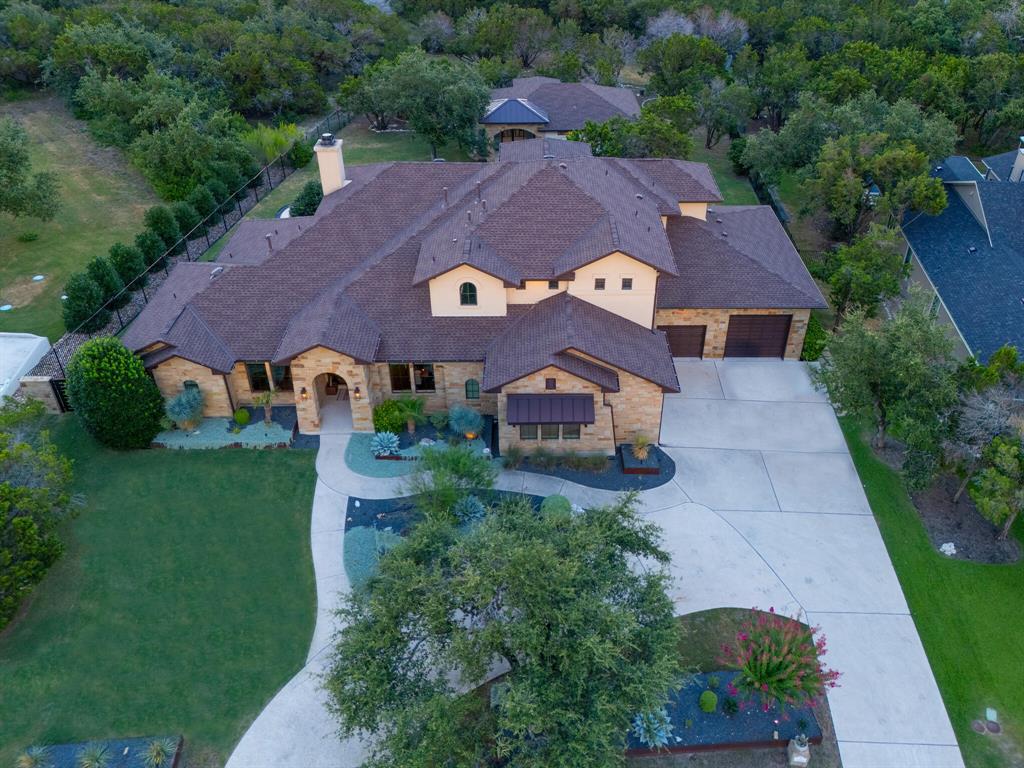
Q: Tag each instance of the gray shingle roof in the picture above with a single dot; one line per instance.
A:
(1002, 164)
(554, 328)
(541, 149)
(569, 106)
(958, 168)
(513, 112)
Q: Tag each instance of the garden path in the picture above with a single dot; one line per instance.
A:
(766, 509)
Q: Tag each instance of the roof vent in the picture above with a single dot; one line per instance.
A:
(971, 249)
(938, 168)
(445, 191)
(724, 233)
(639, 196)
(563, 166)
(215, 272)
(548, 156)
(270, 242)
(718, 221)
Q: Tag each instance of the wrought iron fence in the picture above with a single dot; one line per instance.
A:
(191, 246)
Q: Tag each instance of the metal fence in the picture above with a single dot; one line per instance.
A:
(192, 246)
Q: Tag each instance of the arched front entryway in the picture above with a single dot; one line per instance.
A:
(333, 404)
(515, 134)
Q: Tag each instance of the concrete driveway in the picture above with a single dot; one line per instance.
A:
(782, 521)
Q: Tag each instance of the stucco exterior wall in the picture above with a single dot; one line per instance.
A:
(171, 375)
(717, 322)
(534, 291)
(444, 294)
(920, 278)
(594, 438)
(696, 210)
(636, 304)
(307, 366)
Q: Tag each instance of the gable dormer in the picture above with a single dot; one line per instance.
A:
(467, 292)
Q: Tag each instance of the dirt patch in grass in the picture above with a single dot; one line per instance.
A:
(21, 292)
(962, 524)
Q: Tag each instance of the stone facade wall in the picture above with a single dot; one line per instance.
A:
(39, 388)
(594, 438)
(307, 366)
(242, 393)
(449, 387)
(717, 322)
(172, 374)
(636, 407)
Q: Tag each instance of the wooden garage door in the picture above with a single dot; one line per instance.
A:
(685, 340)
(757, 335)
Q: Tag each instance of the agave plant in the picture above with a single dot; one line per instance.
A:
(159, 753)
(34, 757)
(93, 756)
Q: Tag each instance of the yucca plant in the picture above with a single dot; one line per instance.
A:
(34, 757)
(265, 400)
(93, 756)
(641, 447)
(159, 753)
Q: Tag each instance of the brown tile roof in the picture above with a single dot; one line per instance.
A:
(554, 328)
(351, 278)
(570, 105)
(741, 257)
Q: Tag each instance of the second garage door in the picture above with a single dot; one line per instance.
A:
(685, 340)
(757, 335)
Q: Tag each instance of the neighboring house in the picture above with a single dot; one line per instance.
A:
(550, 289)
(971, 256)
(538, 107)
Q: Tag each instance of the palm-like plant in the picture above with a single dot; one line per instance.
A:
(265, 400)
(159, 753)
(93, 756)
(34, 757)
(411, 410)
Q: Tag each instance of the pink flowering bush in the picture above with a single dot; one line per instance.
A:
(779, 660)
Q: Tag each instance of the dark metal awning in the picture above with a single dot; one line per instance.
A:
(550, 409)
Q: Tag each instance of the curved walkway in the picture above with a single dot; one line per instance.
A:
(766, 509)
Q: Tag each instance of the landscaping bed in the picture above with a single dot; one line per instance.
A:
(693, 729)
(120, 753)
(224, 433)
(612, 477)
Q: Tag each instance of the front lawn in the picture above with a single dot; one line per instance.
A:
(102, 200)
(185, 599)
(968, 615)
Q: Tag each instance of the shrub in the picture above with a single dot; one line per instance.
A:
(778, 660)
(411, 410)
(469, 509)
(439, 421)
(708, 701)
(713, 682)
(542, 458)
(736, 150)
(463, 420)
(110, 391)
(159, 753)
(387, 417)
(129, 263)
(730, 706)
(308, 199)
(92, 756)
(106, 277)
(187, 218)
(84, 304)
(443, 476)
(641, 447)
(242, 417)
(653, 728)
(582, 462)
(513, 456)
(384, 444)
(300, 154)
(202, 200)
(556, 506)
(152, 249)
(221, 195)
(814, 340)
(28, 237)
(186, 408)
(161, 222)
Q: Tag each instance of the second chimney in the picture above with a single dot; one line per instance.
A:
(331, 162)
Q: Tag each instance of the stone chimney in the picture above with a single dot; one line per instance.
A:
(331, 162)
(1017, 172)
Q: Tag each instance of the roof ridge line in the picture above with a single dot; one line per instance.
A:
(206, 326)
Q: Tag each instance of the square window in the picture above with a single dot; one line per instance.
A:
(400, 379)
(423, 376)
(550, 384)
(553, 285)
(627, 283)
(282, 377)
(598, 283)
(527, 431)
(570, 431)
(549, 431)
(258, 381)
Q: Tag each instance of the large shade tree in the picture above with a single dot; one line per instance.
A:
(587, 639)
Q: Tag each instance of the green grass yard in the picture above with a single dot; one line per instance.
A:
(735, 189)
(185, 599)
(968, 615)
(102, 201)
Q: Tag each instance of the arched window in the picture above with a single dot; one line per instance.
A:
(467, 295)
(472, 389)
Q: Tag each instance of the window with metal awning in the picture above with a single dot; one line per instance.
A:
(550, 409)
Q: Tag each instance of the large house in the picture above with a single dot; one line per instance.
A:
(971, 256)
(543, 107)
(550, 289)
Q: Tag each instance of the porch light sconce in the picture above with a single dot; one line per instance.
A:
(356, 394)
(304, 394)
